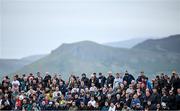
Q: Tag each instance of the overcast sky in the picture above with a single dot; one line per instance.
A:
(31, 27)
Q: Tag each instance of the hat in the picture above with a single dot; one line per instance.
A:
(7, 77)
(142, 72)
(135, 102)
(174, 72)
(83, 74)
(138, 104)
(126, 72)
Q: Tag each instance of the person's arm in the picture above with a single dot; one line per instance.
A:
(113, 84)
(54, 94)
(104, 80)
(18, 83)
(12, 83)
(109, 109)
(60, 93)
(158, 98)
(131, 103)
(132, 77)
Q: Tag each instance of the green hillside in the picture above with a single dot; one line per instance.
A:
(87, 56)
(169, 44)
(11, 65)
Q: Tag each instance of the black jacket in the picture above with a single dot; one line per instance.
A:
(172, 103)
(86, 81)
(155, 99)
(110, 80)
(101, 81)
(128, 78)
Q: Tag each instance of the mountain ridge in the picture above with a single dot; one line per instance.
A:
(126, 43)
(12, 65)
(168, 44)
(87, 56)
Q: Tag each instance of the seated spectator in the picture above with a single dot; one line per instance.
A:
(109, 98)
(110, 79)
(172, 103)
(98, 93)
(94, 80)
(105, 107)
(85, 79)
(178, 99)
(148, 84)
(62, 101)
(15, 84)
(117, 99)
(101, 80)
(119, 106)
(128, 78)
(139, 79)
(112, 107)
(135, 101)
(89, 106)
(57, 93)
(117, 81)
(56, 106)
(130, 89)
(92, 102)
(73, 107)
(155, 97)
(93, 88)
(82, 106)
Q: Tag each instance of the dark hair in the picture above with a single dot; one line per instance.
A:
(83, 74)
(6, 77)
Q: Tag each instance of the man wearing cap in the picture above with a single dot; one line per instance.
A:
(173, 76)
(139, 79)
(110, 79)
(176, 83)
(94, 80)
(128, 78)
(85, 79)
(101, 80)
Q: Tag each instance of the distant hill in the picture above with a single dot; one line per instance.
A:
(126, 43)
(33, 57)
(168, 44)
(87, 56)
(12, 65)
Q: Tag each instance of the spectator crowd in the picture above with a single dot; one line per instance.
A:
(115, 92)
